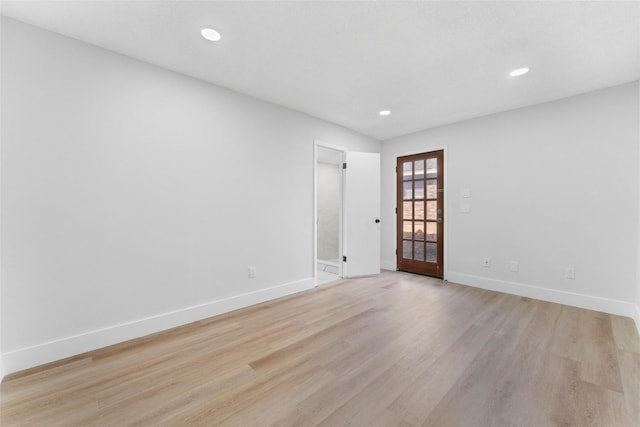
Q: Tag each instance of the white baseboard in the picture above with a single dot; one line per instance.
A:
(29, 357)
(606, 305)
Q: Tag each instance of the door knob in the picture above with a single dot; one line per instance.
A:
(439, 219)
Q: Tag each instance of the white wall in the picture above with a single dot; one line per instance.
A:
(637, 311)
(1, 360)
(134, 198)
(552, 186)
(328, 195)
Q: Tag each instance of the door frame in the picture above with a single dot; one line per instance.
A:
(317, 144)
(445, 240)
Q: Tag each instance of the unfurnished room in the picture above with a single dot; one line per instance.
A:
(320, 213)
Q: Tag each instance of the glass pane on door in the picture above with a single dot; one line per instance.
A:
(407, 230)
(432, 168)
(418, 248)
(432, 252)
(407, 210)
(419, 209)
(432, 210)
(432, 231)
(407, 171)
(418, 190)
(432, 188)
(418, 169)
(407, 248)
(408, 190)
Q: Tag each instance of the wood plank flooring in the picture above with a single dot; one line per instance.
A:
(394, 350)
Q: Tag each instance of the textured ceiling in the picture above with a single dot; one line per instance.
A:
(431, 63)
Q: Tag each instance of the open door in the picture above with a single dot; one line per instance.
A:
(328, 213)
(361, 250)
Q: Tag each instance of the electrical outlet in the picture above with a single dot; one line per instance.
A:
(570, 273)
(252, 272)
(486, 263)
(514, 266)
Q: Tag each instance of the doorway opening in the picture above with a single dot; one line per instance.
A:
(328, 215)
(420, 213)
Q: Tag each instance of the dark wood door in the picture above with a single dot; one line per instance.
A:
(420, 213)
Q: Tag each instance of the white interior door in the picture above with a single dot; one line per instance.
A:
(361, 214)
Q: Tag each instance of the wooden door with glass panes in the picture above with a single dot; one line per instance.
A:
(420, 213)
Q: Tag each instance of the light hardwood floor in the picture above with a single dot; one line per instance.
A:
(394, 350)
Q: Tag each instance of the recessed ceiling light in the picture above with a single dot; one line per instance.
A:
(519, 72)
(384, 112)
(210, 34)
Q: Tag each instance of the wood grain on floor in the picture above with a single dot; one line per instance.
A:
(392, 350)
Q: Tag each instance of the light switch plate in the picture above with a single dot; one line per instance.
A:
(570, 273)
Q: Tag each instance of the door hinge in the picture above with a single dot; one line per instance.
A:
(344, 166)
(396, 211)
(344, 259)
(396, 252)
